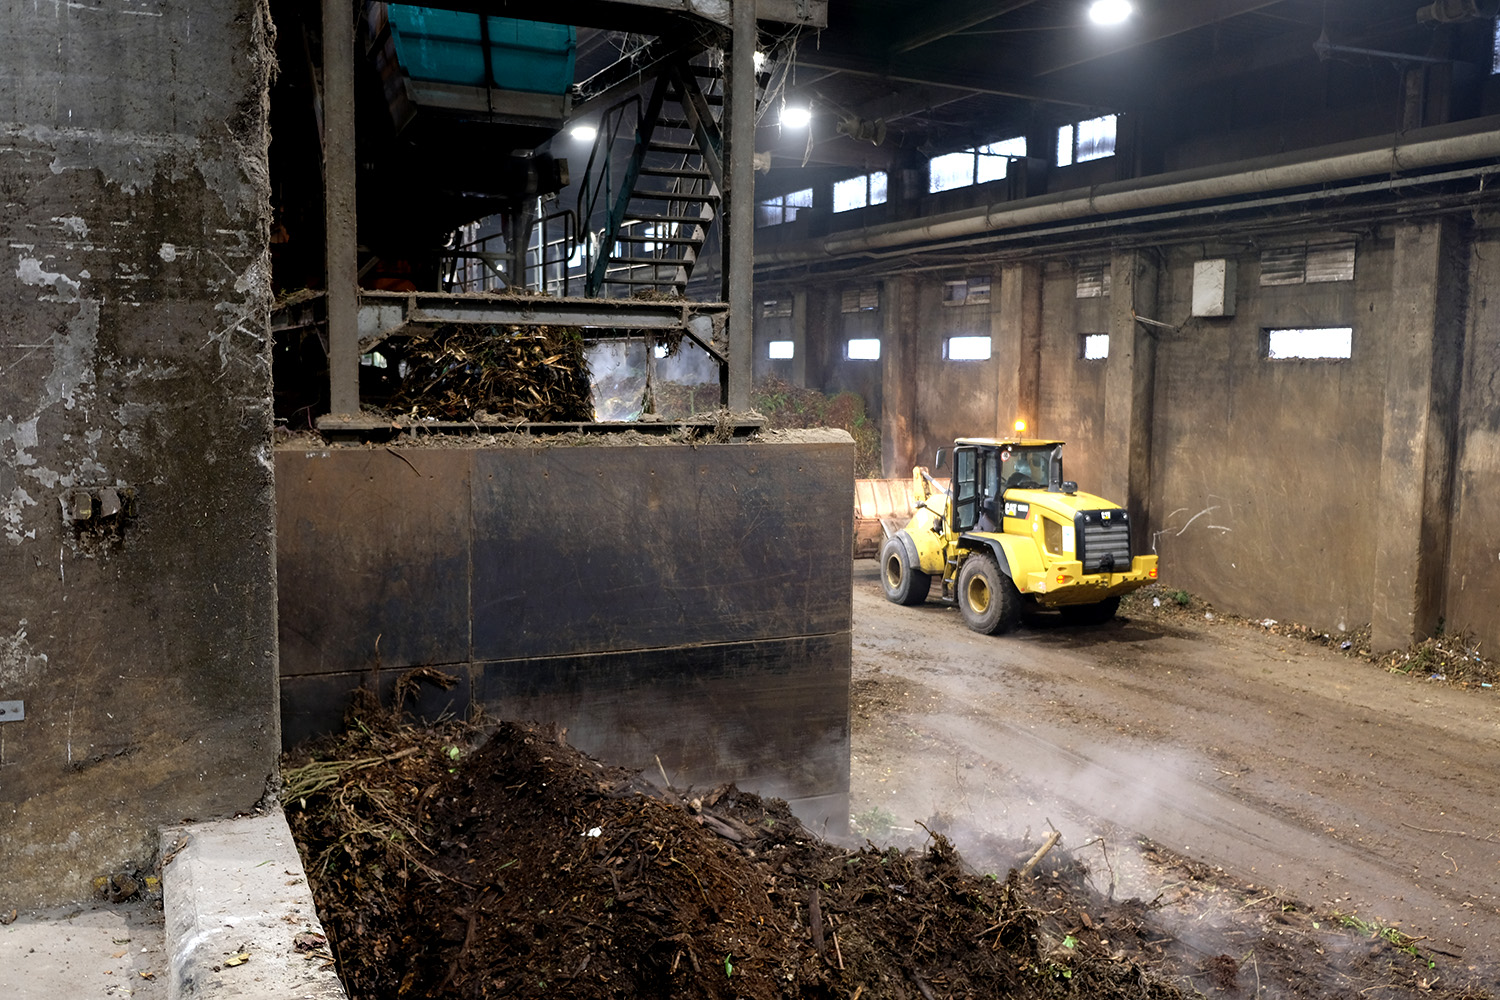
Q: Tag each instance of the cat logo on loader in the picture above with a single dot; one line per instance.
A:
(1011, 532)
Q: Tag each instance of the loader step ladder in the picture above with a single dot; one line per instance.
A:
(664, 197)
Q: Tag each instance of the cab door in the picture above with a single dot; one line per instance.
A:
(965, 488)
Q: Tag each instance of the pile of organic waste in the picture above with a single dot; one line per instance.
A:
(450, 861)
(534, 374)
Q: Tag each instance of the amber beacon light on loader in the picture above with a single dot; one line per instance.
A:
(1010, 532)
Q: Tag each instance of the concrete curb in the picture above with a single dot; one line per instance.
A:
(236, 887)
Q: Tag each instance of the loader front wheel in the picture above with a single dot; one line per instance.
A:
(989, 601)
(903, 580)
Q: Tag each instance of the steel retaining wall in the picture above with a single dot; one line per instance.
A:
(686, 602)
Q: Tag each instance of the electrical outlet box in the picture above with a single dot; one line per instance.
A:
(1214, 287)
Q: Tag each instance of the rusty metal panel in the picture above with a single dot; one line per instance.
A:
(581, 550)
(372, 545)
(772, 716)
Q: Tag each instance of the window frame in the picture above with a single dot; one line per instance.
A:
(1070, 135)
(1268, 342)
(782, 204)
(969, 338)
(869, 191)
(1084, 340)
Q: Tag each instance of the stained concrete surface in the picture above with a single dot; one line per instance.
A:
(1314, 775)
(86, 951)
(135, 356)
(240, 916)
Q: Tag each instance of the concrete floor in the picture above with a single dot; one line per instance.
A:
(1288, 764)
(236, 920)
(83, 952)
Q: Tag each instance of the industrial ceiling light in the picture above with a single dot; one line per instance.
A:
(583, 132)
(795, 116)
(1110, 11)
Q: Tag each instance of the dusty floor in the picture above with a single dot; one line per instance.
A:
(1292, 767)
(85, 951)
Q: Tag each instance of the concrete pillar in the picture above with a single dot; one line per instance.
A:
(342, 248)
(898, 379)
(799, 338)
(1129, 385)
(1424, 358)
(1017, 328)
(136, 361)
(739, 200)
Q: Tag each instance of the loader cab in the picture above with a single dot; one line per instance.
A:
(985, 469)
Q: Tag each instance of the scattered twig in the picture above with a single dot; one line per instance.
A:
(922, 987)
(815, 921)
(836, 952)
(1047, 845)
(1423, 829)
(403, 458)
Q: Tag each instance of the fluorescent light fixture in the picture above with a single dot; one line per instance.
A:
(1110, 11)
(583, 132)
(795, 116)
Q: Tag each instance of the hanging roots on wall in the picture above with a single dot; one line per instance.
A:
(536, 373)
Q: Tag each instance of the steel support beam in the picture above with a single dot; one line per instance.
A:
(948, 75)
(341, 259)
(1173, 19)
(651, 17)
(970, 16)
(386, 314)
(739, 217)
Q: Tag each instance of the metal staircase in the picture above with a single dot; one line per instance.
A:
(659, 203)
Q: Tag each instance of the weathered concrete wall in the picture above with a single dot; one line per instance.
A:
(133, 353)
(690, 603)
(1071, 398)
(1331, 492)
(954, 398)
(1267, 472)
(1473, 579)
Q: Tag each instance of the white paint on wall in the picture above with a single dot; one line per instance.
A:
(20, 663)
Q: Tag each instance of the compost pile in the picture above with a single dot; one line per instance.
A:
(463, 373)
(789, 407)
(519, 867)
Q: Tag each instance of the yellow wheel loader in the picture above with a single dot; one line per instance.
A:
(1011, 532)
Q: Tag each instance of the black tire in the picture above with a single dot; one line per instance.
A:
(904, 583)
(1091, 614)
(988, 600)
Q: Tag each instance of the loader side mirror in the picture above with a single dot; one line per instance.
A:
(941, 462)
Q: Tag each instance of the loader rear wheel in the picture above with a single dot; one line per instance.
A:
(903, 581)
(989, 601)
(1091, 614)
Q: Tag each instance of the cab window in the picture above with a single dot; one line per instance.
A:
(1026, 468)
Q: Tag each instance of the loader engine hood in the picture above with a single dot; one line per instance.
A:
(1063, 506)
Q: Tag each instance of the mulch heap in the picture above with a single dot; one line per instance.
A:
(534, 373)
(446, 866)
